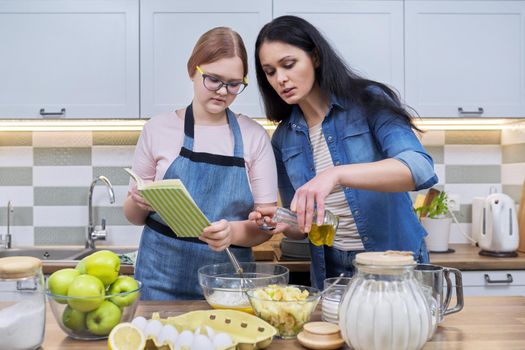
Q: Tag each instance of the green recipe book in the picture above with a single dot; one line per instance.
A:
(172, 201)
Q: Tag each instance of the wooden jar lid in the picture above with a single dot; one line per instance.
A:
(14, 267)
(321, 335)
(388, 258)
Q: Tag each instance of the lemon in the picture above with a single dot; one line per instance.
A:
(126, 336)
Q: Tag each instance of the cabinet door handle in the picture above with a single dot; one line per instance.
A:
(44, 113)
(508, 280)
(479, 112)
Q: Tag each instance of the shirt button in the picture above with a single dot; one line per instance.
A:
(337, 163)
(330, 138)
(356, 213)
(365, 239)
(294, 126)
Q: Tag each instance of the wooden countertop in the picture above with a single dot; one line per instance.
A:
(485, 323)
(465, 258)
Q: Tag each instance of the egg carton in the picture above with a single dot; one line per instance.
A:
(207, 330)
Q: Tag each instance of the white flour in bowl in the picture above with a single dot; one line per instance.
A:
(235, 299)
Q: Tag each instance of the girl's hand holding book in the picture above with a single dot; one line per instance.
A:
(140, 201)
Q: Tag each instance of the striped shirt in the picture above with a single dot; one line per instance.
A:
(347, 238)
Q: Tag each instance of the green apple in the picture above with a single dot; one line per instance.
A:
(74, 319)
(102, 320)
(104, 265)
(124, 284)
(81, 267)
(88, 292)
(59, 282)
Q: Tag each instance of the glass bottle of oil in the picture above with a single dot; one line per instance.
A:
(318, 235)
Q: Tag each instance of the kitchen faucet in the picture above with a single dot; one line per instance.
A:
(92, 233)
(6, 241)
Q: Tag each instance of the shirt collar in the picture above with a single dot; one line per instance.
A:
(297, 119)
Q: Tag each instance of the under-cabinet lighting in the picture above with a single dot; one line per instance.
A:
(137, 124)
(469, 123)
(72, 125)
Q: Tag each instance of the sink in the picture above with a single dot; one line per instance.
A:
(116, 250)
(43, 253)
(58, 253)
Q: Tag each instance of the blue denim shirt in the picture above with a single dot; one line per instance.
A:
(385, 220)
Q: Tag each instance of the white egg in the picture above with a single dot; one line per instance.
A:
(168, 333)
(201, 342)
(153, 328)
(140, 322)
(211, 332)
(222, 340)
(184, 339)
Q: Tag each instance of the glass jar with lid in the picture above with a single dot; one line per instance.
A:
(384, 307)
(22, 303)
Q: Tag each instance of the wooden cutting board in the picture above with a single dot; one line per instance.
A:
(521, 220)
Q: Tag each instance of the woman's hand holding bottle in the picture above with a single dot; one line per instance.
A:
(310, 197)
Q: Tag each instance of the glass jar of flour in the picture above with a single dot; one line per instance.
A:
(384, 307)
(22, 303)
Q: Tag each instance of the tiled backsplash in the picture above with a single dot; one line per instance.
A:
(47, 175)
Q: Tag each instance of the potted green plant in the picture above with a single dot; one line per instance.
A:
(436, 222)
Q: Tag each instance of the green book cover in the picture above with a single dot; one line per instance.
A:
(172, 201)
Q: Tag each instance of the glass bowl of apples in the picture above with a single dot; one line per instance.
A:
(91, 299)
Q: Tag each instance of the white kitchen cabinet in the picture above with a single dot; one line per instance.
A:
(69, 59)
(169, 30)
(367, 34)
(467, 55)
(494, 283)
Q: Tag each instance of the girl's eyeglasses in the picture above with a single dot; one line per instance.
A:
(214, 84)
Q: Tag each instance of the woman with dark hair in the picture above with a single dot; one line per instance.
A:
(343, 143)
(225, 161)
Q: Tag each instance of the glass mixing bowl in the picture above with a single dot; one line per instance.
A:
(224, 289)
(284, 310)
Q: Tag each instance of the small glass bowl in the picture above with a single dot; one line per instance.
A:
(223, 288)
(288, 317)
(96, 324)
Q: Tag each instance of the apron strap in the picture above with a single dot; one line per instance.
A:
(167, 231)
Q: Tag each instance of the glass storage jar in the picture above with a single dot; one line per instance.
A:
(384, 306)
(22, 303)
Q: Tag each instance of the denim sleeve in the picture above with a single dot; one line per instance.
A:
(397, 140)
(286, 190)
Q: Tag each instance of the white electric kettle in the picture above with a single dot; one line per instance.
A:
(499, 227)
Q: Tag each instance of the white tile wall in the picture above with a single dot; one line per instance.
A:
(62, 175)
(16, 156)
(472, 154)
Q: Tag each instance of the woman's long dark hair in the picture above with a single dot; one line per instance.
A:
(332, 74)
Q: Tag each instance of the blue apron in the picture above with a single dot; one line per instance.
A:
(167, 265)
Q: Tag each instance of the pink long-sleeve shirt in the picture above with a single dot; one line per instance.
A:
(163, 135)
